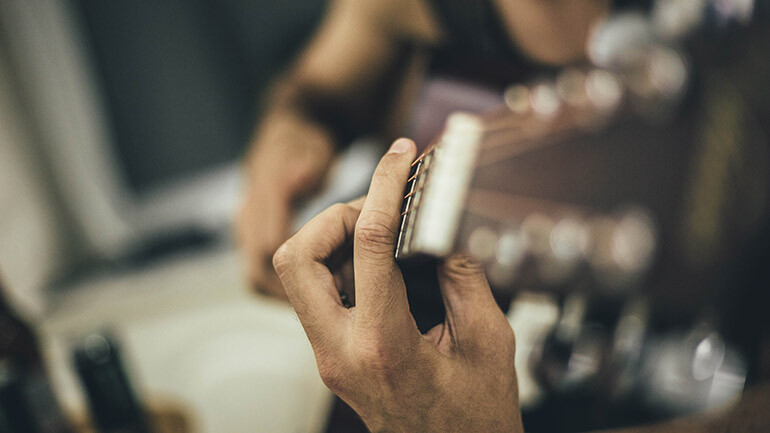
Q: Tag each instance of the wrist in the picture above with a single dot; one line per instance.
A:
(289, 137)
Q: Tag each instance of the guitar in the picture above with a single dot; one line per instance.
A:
(630, 187)
(645, 174)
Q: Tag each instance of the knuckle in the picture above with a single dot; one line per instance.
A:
(338, 209)
(464, 265)
(334, 213)
(331, 375)
(376, 231)
(374, 356)
(464, 268)
(284, 258)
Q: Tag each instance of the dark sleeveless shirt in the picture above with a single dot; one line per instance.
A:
(477, 47)
(467, 72)
(470, 68)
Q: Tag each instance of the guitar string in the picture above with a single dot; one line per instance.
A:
(500, 120)
(522, 146)
(502, 152)
(489, 115)
(515, 203)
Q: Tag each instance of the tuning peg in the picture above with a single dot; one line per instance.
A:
(509, 253)
(604, 90)
(567, 245)
(545, 100)
(622, 248)
(619, 40)
(674, 19)
(517, 99)
(569, 239)
(571, 87)
(482, 243)
(500, 250)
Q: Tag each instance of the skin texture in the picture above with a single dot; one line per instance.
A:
(360, 72)
(336, 77)
(458, 377)
(551, 31)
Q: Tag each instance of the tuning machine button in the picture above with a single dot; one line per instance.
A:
(674, 19)
(545, 100)
(618, 41)
(482, 243)
(517, 99)
(667, 72)
(571, 87)
(510, 251)
(568, 244)
(604, 90)
(501, 250)
(622, 248)
(548, 245)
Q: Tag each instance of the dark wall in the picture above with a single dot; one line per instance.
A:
(182, 79)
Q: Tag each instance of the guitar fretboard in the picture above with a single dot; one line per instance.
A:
(437, 189)
(441, 210)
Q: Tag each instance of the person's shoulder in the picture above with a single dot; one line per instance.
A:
(403, 19)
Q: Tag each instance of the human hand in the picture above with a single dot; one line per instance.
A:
(279, 174)
(458, 377)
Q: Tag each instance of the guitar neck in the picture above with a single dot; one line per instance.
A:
(437, 188)
(605, 171)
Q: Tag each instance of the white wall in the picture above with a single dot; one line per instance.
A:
(31, 244)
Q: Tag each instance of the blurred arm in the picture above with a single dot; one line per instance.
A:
(351, 74)
(356, 72)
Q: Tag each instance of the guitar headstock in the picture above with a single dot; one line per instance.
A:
(634, 172)
(628, 189)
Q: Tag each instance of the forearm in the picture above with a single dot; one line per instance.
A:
(287, 162)
(290, 125)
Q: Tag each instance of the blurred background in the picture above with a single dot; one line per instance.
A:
(121, 129)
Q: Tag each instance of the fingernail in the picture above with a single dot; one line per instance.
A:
(400, 146)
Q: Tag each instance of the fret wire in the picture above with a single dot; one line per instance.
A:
(417, 174)
(414, 176)
(431, 148)
(419, 159)
(523, 133)
(413, 192)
